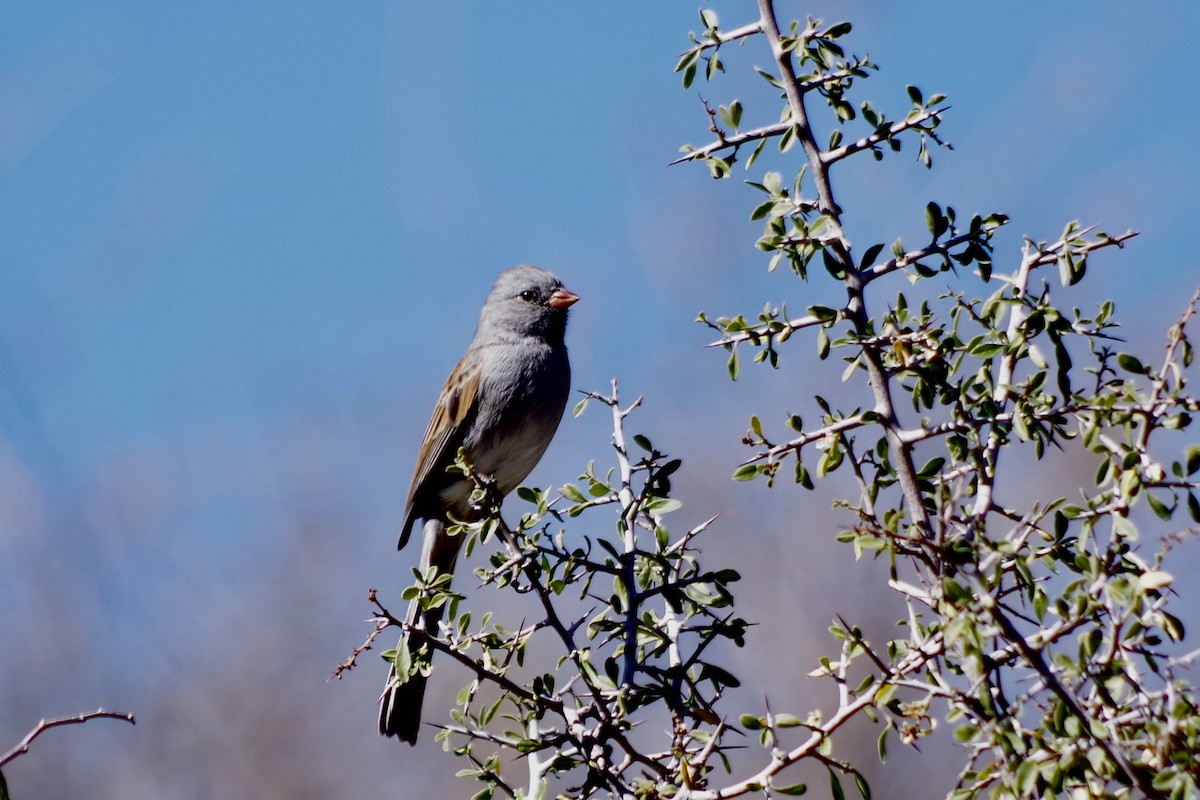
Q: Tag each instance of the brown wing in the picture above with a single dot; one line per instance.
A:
(455, 408)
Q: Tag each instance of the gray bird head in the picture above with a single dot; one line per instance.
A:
(527, 301)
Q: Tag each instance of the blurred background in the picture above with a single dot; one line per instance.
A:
(242, 244)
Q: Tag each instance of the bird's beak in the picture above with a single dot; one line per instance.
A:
(562, 298)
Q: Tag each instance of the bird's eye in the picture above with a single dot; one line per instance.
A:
(529, 295)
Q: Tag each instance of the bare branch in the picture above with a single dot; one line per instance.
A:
(47, 724)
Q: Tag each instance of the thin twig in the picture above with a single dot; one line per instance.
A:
(46, 724)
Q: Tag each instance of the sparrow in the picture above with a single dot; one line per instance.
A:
(501, 406)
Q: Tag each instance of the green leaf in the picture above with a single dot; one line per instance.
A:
(1159, 507)
(932, 468)
(735, 113)
(1193, 459)
(870, 255)
(832, 265)
(751, 722)
(835, 787)
(965, 733)
(822, 343)
(580, 406)
(663, 505)
(823, 313)
(794, 790)
(762, 209)
(1131, 364)
(689, 74)
(935, 220)
(745, 472)
(1020, 425)
(734, 366)
(1027, 774)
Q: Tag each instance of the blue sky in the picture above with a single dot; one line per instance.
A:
(241, 244)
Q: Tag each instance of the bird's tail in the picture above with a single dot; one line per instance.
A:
(400, 705)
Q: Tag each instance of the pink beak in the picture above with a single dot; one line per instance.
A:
(562, 298)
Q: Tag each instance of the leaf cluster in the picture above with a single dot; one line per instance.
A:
(1033, 622)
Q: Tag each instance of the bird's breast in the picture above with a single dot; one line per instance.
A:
(522, 395)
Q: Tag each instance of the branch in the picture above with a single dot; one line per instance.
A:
(832, 429)
(1050, 254)
(914, 256)
(895, 129)
(766, 131)
(780, 760)
(738, 139)
(422, 636)
(47, 724)
(381, 624)
(765, 331)
(1037, 661)
(717, 38)
(906, 470)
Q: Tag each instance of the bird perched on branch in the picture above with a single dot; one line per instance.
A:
(501, 406)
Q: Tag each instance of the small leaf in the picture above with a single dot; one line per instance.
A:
(965, 733)
(745, 472)
(822, 344)
(1159, 507)
(1027, 774)
(580, 406)
(1193, 459)
(934, 220)
(1131, 364)
(794, 790)
(835, 787)
(870, 255)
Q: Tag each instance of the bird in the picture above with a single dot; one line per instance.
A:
(500, 406)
